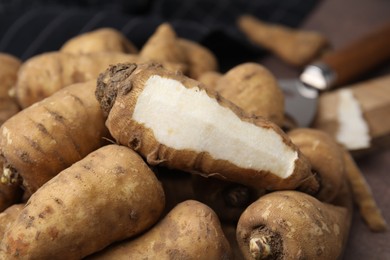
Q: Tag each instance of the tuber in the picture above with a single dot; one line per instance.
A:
(99, 40)
(326, 159)
(253, 88)
(163, 46)
(174, 121)
(44, 74)
(108, 196)
(295, 47)
(293, 225)
(9, 67)
(363, 196)
(191, 230)
(43, 139)
(8, 216)
(210, 78)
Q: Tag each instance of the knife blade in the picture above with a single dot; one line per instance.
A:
(334, 69)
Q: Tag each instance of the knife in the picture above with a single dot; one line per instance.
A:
(334, 69)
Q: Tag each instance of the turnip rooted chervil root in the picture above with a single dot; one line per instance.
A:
(174, 121)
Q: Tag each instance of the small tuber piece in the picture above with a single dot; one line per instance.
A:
(163, 46)
(326, 159)
(199, 59)
(294, 46)
(363, 196)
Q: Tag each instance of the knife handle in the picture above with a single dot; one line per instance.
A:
(359, 57)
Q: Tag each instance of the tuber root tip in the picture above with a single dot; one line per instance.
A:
(259, 248)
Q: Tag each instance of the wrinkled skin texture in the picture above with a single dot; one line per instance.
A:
(295, 226)
(191, 230)
(42, 140)
(295, 47)
(8, 216)
(326, 159)
(108, 196)
(254, 89)
(99, 40)
(9, 66)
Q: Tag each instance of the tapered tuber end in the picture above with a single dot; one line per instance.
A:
(259, 248)
(109, 83)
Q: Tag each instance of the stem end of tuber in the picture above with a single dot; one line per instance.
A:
(259, 248)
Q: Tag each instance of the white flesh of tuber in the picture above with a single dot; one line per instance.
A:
(170, 98)
(353, 130)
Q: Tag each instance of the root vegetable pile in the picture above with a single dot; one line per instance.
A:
(107, 152)
(77, 212)
(49, 136)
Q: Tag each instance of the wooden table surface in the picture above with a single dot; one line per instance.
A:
(342, 22)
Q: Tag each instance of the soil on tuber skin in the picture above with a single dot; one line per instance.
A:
(274, 241)
(107, 93)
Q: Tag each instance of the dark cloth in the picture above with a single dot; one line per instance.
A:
(31, 27)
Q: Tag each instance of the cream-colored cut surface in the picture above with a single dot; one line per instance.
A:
(353, 130)
(187, 118)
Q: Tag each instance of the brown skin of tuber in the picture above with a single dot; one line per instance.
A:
(210, 79)
(293, 225)
(253, 88)
(44, 74)
(163, 46)
(42, 140)
(118, 91)
(326, 159)
(8, 216)
(108, 196)
(295, 47)
(9, 66)
(199, 59)
(363, 196)
(99, 40)
(191, 230)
